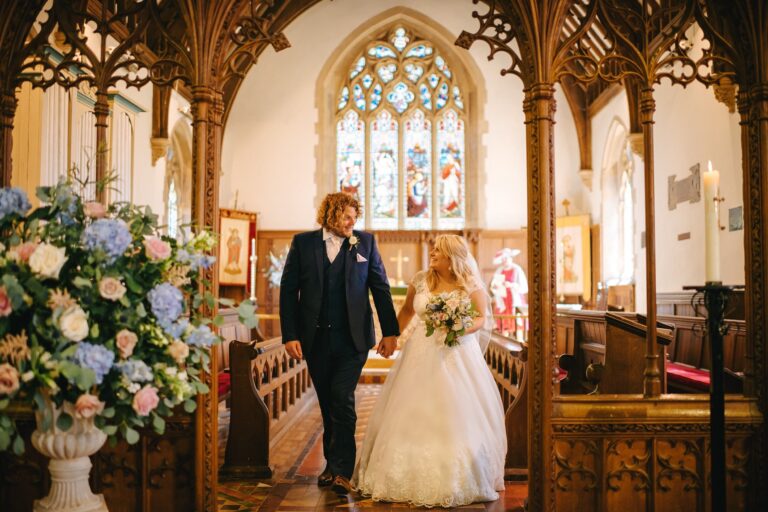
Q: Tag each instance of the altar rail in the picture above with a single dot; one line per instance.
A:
(506, 359)
(270, 391)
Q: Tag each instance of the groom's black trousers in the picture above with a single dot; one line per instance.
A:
(335, 366)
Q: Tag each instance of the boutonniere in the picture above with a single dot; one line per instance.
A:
(353, 242)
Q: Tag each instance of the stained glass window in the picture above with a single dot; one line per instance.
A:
(350, 156)
(400, 135)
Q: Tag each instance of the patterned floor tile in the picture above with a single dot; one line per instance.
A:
(298, 459)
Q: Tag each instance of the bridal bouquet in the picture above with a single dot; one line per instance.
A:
(452, 312)
(99, 314)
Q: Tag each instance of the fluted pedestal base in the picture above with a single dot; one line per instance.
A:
(70, 491)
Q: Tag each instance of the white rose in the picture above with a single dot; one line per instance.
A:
(74, 323)
(47, 260)
(111, 288)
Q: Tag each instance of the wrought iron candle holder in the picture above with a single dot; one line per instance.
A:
(715, 297)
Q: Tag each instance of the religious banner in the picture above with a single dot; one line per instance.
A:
(573, 252)
(236, 246)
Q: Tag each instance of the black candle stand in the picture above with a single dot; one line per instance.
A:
(715, 296)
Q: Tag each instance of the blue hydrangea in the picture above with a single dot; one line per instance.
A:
(202, 336)
(66, 201)
(135, 370)
(175, 330)
(13, 200)
(95, 357)
(167, 303)
(108, 235)
(194, 260)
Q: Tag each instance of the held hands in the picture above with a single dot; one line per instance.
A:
(387, 346)
(294, 349)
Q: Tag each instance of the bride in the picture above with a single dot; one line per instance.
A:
(436, 436)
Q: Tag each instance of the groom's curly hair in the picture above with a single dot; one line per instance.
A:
(333, 206)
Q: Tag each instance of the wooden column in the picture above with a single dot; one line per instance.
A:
(207, 110)
(7, 112)
(753, 107)
(652, 381)
(539, 108)
(101, 111)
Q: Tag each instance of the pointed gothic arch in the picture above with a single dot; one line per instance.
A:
(463, 72)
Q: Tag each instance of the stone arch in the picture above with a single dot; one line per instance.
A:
(463, 65)
(178, 170)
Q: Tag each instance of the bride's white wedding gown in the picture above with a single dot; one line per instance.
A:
(436, 436)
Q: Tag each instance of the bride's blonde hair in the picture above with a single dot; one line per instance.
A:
(454, 248)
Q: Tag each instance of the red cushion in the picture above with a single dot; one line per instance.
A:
(688, 375)
(225, 383)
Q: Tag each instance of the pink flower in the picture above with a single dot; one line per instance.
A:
(5, 302)
(145, 400)
(156, 248)
(111, 288)
(95, 210)
(9, 379)
(126, 341)
(25, 250)
(88, 406)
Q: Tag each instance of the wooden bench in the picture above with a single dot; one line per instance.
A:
(507, 359)
(270, 391)
(605, 352)
(689, 356)
(230, 331)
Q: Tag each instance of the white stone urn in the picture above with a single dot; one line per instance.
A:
(70, 464)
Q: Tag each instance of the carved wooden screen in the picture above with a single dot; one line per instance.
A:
(400, 135)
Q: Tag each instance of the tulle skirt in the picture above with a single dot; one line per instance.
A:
(436, 436)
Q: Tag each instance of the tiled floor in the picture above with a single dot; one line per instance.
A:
(298, 459)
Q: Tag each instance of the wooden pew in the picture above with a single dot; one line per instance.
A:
(604, 351)
(506, 359)
(689, 357)
(270, 392)
(609, 349)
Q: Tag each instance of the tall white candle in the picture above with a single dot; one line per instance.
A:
(253, 269)
(711, 225)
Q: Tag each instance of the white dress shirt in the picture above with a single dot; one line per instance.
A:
(332, 244)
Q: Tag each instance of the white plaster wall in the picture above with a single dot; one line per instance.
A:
(691, 126)
(271, 138)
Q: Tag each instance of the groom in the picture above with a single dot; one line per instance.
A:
(325, 317)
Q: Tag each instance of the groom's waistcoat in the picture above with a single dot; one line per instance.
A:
(333, 310)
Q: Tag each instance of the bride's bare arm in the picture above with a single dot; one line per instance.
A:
(480, 301)
(406, 312)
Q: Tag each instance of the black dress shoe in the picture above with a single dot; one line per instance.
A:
(341, 485)
(325, 479)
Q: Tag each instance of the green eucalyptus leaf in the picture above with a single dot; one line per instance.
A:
(132, 285)
(110, 430)
(131, 436)
(5, 440)
(81, 282)
(95, 330)
(18, 445)
(159, 424)
(190, 406)
(108, 412)
(64, 421)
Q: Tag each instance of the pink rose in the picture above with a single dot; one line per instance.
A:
(88, 406)
(156, 248)
(25, 250)
(126, 341)
(5, 302)
(111, 288)
(178, 351)
(145, 400)
(94, 210)
(9, 379)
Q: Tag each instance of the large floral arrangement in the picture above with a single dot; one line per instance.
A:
(99, 313)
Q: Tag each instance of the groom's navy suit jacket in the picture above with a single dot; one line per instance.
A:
(301, 290)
